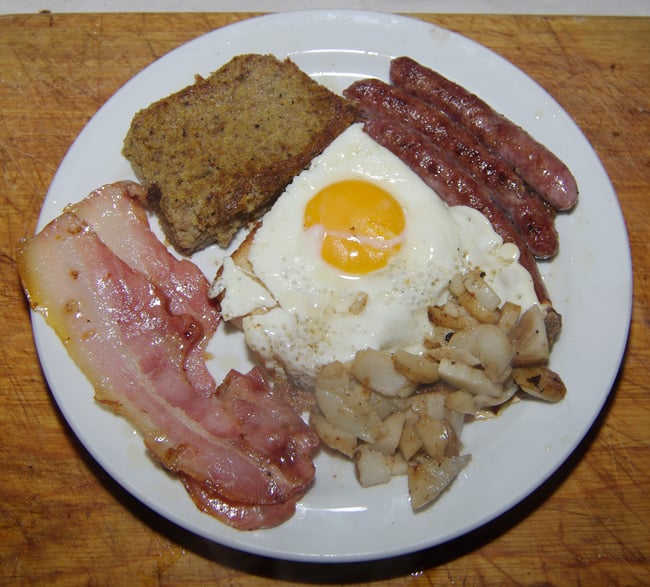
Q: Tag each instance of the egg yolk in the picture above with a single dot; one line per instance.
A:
(362, 225)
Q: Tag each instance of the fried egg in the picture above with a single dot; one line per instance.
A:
(351, 255)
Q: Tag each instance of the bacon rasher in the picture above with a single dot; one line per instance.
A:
(243, 443)
(114, 213)
(242, 517)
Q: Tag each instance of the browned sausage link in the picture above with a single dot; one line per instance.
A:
(531, 215)
(453, 185)
(536, 164)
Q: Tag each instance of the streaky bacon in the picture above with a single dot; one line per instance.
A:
(113, 211)
(243, 443)
(269, 424)
(239, 516)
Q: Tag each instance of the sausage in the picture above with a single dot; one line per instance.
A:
(536, 164)
(455, 186)
(530, 214)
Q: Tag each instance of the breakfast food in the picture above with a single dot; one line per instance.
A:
(532, 217)
(113, 214)
(273, 450)
(395, 412)
(217, 154)
(403, 310)
(540, 168)
(351, 256)
(132, 332)
(454, 185)
(403, 314)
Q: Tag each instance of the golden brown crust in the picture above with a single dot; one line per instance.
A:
(218, 153)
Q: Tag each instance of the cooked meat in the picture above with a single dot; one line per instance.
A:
(218, 153)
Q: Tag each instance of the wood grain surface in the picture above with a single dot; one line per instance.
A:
(64, 521)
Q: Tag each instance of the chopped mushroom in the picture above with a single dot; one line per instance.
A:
(529, 339)
(490, 345)
(401, 413)
(416, 368)
(372, 467)
(540, 382)
(376, 370)
(428, 478)
(468, 378)
(337, 439)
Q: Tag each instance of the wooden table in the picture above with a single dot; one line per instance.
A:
(64, 521)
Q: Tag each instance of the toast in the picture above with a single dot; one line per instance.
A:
(218, 153)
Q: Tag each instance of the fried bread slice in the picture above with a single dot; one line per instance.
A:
(218, 153)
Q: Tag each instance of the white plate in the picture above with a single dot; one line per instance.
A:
(590, 283)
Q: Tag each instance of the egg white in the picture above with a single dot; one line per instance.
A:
(308, 313)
